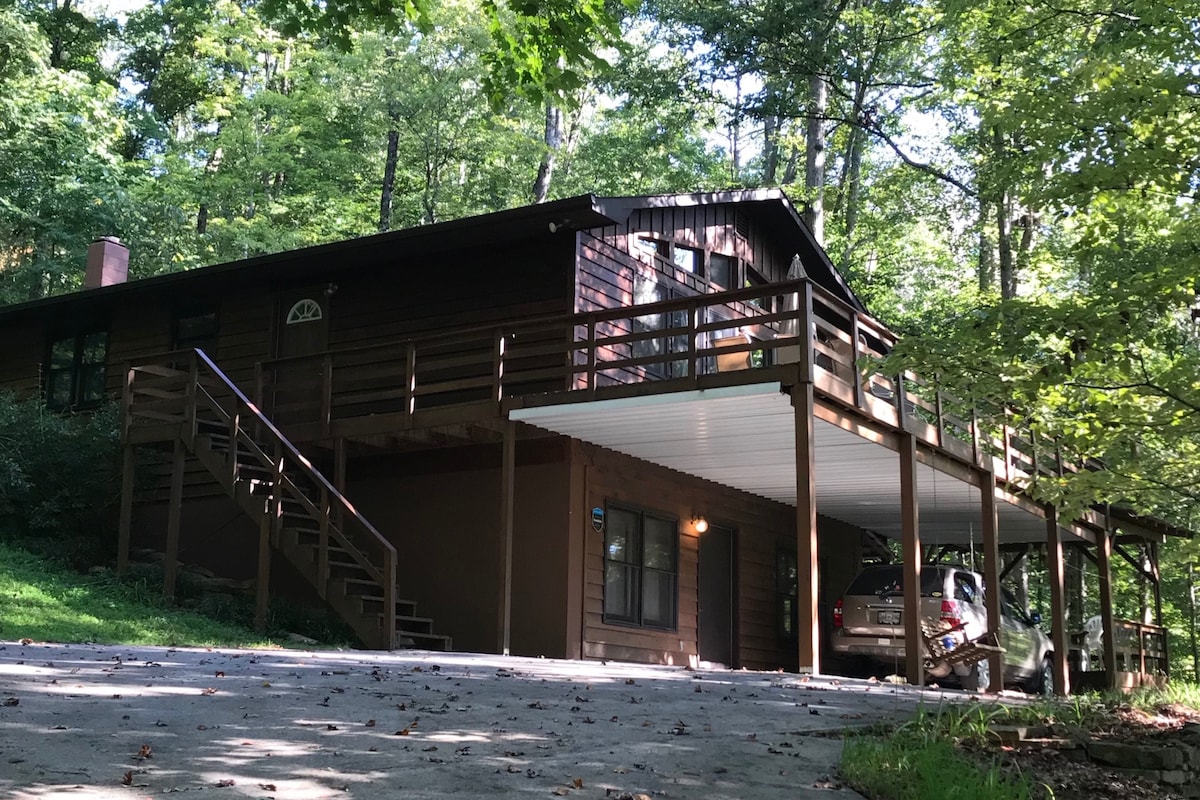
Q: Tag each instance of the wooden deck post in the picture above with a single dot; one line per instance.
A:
(807, 568)
(914, 648)
(262, 582)
(991, 571)
(1158, 614)
(125, 525)
(508, 466)
(174, 512)
(1058, 605)
(1104, 568)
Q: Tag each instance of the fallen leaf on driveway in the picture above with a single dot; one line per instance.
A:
(370, 723)
(269, 787)
(144, 751)
(225, 782)
(127, 778)
(10, 701)
(208, 690)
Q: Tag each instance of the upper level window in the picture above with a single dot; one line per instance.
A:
(641, 568)
(305, 310)
(722, 270)
(653, 246)
(75, 371)
(688, 259)
(196, 330)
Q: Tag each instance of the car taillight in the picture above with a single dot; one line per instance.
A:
(950, 613)
(837, 614)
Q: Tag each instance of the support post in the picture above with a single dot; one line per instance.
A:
(807, 568)
(1155, 552)
(991, 572)
(125, 525)
(1192, 620)
(914, 648)
(508, 466)
(1058, 605)
(1104, 568)
(174, 512)
(262, 582)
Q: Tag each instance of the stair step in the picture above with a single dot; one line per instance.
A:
(370, 591)
(349, 587)
(423, 641)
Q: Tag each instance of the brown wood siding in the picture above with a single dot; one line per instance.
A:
(21, 361)
(134, 332)
(761, 526)
(243, 338)
(441, 509)
(605, 280)
(467, 288)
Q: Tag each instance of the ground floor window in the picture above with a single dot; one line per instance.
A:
(75, 371)
(641, 568)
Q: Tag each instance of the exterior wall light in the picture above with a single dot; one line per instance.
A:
(700, 523)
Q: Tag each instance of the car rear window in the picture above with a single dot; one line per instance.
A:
(889, 579)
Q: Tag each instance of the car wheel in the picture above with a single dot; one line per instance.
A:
(1043, 682)
(979, 678)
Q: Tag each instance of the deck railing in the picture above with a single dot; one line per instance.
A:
(747, 335)
(1140, 647)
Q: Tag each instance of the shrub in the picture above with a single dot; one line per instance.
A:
(60, 478)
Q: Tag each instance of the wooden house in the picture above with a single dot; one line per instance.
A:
(637, 428)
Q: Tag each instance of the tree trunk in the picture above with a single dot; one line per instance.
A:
(1003, 209)
(852, 192)
(770, 149)
(202, 219)
(389, 178)
(814, 157)
(735, 133)
(1027, 221)
(789, 172)
(987, 252)
(553, 141)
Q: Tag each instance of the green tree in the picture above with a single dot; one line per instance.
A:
(63, 181)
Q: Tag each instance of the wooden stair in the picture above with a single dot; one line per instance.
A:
(184, 395)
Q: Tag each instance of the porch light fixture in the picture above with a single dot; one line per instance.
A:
(700, 523)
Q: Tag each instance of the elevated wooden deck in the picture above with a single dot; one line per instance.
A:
(787, 333)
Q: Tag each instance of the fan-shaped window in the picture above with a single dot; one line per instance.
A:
(304, 311)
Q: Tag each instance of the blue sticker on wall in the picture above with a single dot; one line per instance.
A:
(598, 519)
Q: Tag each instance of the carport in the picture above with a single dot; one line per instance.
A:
(883, 455)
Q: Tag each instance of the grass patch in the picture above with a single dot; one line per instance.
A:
(44, 601)
(922, 760)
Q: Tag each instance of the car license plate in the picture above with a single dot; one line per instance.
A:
(889, 617)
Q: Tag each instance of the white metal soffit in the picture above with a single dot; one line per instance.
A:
(744, 437)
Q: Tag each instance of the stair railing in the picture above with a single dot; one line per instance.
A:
(210, 395)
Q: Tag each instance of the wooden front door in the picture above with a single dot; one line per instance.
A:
(302, 331)
(716, 596)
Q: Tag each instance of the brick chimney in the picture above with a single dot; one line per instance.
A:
(107, 263)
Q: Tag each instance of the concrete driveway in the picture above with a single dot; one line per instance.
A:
(89, 721)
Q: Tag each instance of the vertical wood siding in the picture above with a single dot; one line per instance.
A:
(762, 527)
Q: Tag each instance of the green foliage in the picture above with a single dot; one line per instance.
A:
(59, 477)
(46, 602)
(63, 180)
(921, 760)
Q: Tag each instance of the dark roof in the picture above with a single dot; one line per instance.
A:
(497, 228)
